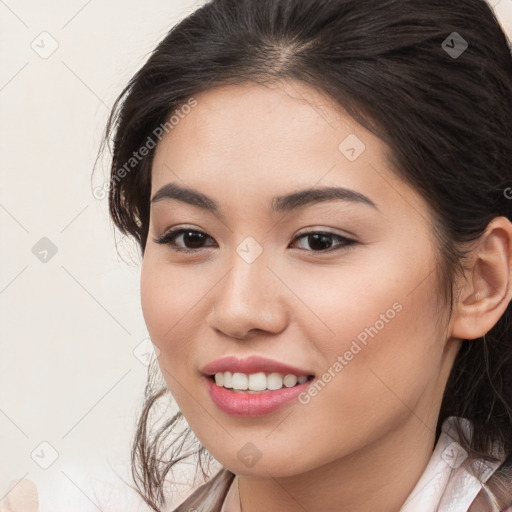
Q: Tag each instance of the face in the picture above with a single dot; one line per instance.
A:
(341, 288)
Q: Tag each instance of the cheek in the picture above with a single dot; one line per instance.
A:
(168, 294)
(379, 337)
(168, 297)
(174, 305)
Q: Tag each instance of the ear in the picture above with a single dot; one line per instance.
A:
(487, 288)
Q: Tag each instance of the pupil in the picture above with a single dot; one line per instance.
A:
(316, 237)
(191, 235)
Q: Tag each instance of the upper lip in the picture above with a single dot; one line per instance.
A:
(253, 364)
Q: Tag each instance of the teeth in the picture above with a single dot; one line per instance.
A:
(228, 379)
(240, 381)
(257, 381)
(274, 381)
(219, 379)
(290, 380)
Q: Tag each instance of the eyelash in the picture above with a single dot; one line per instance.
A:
(168, 239)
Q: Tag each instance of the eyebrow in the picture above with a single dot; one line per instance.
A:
(285, 203)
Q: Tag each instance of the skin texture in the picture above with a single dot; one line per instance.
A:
(364, 440)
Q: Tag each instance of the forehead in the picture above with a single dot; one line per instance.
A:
(253, 121)
(267, 140)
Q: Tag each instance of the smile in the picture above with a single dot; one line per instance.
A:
(250, 403)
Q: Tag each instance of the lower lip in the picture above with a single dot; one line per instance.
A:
(252, 404)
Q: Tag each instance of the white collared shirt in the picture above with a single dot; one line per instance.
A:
(446, 485)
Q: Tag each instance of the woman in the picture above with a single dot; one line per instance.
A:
(321, 194)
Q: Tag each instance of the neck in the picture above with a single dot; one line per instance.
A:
(379, 477)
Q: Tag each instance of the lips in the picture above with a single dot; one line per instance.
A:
(252, 364)
(247, 405)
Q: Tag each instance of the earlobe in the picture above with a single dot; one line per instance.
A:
(486, 291)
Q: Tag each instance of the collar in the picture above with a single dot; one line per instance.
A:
(450, 482)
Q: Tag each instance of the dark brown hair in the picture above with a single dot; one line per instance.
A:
(401, 69)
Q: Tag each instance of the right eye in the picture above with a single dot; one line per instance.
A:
(191, 237)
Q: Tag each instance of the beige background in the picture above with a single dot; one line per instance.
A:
(72, 365)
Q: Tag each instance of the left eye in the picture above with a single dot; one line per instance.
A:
(319, 241)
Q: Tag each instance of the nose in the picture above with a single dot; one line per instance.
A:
(250, 298)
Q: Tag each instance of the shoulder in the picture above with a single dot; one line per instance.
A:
(496, 493)
(210, 496)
